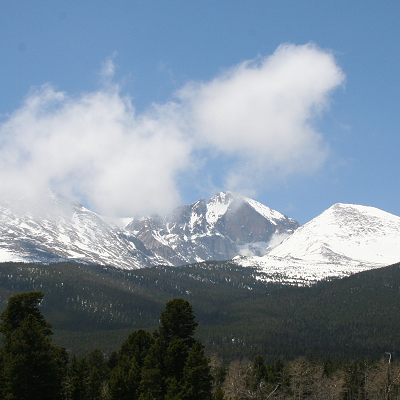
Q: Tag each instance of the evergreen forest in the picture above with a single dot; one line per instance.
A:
(223, 334)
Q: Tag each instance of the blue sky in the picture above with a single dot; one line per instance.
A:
(136, 106)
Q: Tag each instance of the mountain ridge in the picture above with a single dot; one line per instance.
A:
(342, 240)
(220, 229)
(58, 229)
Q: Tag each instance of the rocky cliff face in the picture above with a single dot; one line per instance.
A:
(226, 226)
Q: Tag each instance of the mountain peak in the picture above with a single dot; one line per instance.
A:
(226, 226)
(346, 231)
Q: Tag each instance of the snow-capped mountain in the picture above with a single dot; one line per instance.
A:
(226, 226)
(58, 229)
(344, 239)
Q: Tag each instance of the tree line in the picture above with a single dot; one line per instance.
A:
(168, 364)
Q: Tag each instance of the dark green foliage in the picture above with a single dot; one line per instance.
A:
(163, 370)
(98, 307)
(112, 360)
(32, 367)
(96, 360)
(170, 365)
(137, 346)
(175, 355)
(153, 372)
(79, 379)
(19, 307)
(124, 380)
(177, 321)
(197, 379)
(95, 385)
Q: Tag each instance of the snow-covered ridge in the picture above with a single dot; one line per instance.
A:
(59, 229)
(344, 239)
(265, 211)
(346, 230)
(226, 226)
(218, 206)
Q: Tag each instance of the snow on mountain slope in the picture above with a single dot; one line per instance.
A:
(342, 240)
(59, 229)
(228, 225)
(346, 231)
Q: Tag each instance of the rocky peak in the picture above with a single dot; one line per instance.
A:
(217, 230)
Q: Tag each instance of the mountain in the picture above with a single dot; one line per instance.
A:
(344, 239)
(58, 229)
(226, 226)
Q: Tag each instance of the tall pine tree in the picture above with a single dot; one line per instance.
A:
(32, 367)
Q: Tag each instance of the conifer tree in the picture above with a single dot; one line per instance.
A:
(32, 366)
(95, 385)
(171, 354)
(178, 321)
(197, 379)
(153, 372)
(137, 345)
(124, 380)
(79, 379)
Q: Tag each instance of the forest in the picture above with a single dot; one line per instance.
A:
(168, 364)
(240, 317)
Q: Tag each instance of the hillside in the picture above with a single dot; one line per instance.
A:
(96, 307)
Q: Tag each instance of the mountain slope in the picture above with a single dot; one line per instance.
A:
(342, 240)
(346, 231)
(59, 229)
(56, 229)
(226, 226)
(92, 306)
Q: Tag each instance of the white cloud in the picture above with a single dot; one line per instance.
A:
(96, 149)
(262, 111)
(92, 148)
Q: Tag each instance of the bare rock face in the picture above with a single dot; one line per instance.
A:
(227, 226)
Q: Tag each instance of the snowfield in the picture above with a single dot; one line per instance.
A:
(343, 240)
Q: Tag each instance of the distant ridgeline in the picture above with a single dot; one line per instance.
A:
(96, 307)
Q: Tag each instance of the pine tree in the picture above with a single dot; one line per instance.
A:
(164, 363)
(79, 379)
(153, 372)
(97, 360)
(124, 380)
(169, 363)
(95, 385)
(178, 321)
(197, 379)
(32, 366)
(137, 345)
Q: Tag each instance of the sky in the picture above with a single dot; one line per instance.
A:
(137, 107)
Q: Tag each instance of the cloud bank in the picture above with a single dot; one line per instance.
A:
(95, 148)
